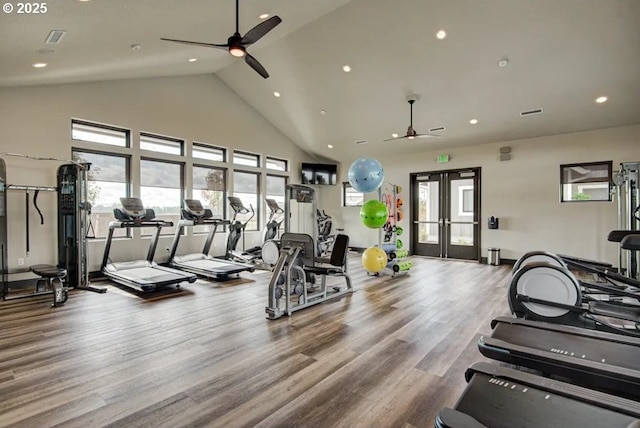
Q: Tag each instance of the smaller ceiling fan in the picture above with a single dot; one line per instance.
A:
(411, 133)
(237, 44)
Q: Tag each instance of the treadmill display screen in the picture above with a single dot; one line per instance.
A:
(133, 207)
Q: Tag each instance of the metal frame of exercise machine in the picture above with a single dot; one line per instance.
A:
(294, 275)
(203, 263)
(73, 209)
(628, 206)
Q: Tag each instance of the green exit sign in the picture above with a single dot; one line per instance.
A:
(443, 158)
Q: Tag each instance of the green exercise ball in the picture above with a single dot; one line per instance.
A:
(374, 214)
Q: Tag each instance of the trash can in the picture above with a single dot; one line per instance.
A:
(493, 256)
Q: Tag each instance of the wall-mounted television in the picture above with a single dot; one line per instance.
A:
(319, 174)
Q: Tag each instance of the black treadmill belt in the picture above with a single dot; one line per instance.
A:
(501, 403)
(581, 347)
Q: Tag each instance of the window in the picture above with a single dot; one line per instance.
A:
(246, 187)
(160, 144)
(209, 187)
(585, 182)
(161, 190)
(247, 159)
(276, 188)
(97, 133)
(465, 200)
(351, 197)
(277, 164)
(108, 182)
(212, 153)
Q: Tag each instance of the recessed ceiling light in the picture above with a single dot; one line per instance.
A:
(323, 112)
(330, 146)
(503, 62)
(276, 94)
(193, 59)
(39, 64)
(394, 135)
(136, 46)
(346, 68)
(602, 99)
(441, 34)
(264, 16)
(473, 121)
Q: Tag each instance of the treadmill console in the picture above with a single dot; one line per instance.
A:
(133, 207)
(194, 207)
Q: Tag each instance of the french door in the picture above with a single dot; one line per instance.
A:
(445, 214)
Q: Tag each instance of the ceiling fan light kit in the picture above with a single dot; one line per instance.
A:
(237, 45)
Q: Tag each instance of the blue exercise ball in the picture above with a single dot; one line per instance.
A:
(366, 175)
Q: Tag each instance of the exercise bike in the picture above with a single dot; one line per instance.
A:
(546, 290)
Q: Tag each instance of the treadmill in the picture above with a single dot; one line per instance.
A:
(593, 359)
(203, 264)
(142, 275)
(501, 397)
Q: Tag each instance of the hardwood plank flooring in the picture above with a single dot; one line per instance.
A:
(389, 355)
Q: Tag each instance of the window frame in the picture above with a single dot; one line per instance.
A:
(128, 183)
(225, 192)
(166, 138)
(605, 180)
(182, 189)
(257, 157)
(258, 194)
(223, 151)
(125, 131)
(346, 185)
(276, 160)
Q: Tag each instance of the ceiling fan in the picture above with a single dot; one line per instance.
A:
(411, 133)
(237, 44)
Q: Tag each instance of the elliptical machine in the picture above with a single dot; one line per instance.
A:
(237, 228)
(544, 289)
(325, 239)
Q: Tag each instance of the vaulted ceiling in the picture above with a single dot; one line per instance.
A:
(556, 55)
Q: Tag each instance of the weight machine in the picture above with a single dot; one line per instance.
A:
(73, 211)
(628, 192)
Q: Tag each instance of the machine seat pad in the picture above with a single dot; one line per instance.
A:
(48, 271)
(631, 242)
(619, 235)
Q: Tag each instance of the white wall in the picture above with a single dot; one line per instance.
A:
(37, 121)
(524, 192)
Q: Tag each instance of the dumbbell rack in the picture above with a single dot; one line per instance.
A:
(388, 236)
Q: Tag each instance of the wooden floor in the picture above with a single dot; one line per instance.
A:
(389, 355)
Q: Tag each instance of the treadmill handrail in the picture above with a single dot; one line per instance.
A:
(561, 328)
(598, 398)
(204, 221)
(117, 224)
(602, 369)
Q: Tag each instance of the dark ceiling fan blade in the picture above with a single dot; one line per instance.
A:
(256, 65)
(396, 138)
(187, 42)
(257, 32)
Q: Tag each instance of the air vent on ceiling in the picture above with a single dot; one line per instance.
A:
(531, 112)
(360, 142)
(439, 128)
(55, 36)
